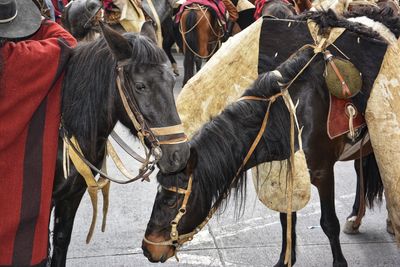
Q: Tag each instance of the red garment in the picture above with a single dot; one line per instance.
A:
(217, 5)
(30, 89)
(58, 8)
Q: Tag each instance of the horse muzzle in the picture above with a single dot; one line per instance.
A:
(174, 157)
(157, 253)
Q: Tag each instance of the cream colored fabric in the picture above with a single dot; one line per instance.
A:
(383, 119)
(132, 16)
(244, 5)
(339, 6)
(271, 185)
(222, 81)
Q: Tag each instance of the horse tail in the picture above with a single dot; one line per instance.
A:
(373, 181)
(190, 36)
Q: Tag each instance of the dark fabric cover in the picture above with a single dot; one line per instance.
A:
(29, 120)
(281, 38)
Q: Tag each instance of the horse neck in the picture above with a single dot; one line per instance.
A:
(223, 143)
(89, 96)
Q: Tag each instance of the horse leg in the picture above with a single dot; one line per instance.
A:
(67, 196)
(198, 62)
(283, 219)
(168, 41)
(349, 227)
(188, 64)
(189, 37)
(324, 181)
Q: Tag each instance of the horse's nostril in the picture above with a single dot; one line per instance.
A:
(176, 158)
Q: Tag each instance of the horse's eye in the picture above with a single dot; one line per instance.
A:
(140, 86)
(171, 202)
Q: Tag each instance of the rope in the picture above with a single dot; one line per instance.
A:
(183, 33)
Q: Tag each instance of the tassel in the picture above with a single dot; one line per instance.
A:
(352, 114)
(66, 162)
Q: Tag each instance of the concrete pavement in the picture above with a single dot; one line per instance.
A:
(252, 240)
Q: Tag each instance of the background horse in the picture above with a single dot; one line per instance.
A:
(81, 19)
(201, 35)
(91, 106)
(222, 144)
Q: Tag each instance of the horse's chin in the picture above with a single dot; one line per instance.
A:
(156, 253)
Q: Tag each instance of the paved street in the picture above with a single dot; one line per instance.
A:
(252, 240)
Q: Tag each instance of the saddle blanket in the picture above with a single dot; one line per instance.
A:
(216, 5)
(29, 122)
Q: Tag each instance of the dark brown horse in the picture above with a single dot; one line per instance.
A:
(219, 148)
(201, 35)
(92, 105)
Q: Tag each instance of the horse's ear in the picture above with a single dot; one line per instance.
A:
(118, 44)
(148, 30)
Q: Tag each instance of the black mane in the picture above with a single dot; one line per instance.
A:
(90, 81)
(384, 16)
(220, 147)
(329, 19)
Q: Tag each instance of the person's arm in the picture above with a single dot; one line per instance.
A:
(50, 29)
(33, 65)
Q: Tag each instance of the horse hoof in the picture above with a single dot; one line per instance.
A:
(389, 227)
(340, 264)
(349, 228)
(175, 69)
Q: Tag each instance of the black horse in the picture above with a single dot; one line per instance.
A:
(91, 106)
(221, 145)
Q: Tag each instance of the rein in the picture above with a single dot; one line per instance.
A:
(73, 152)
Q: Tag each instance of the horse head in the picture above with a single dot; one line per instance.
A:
(144, 78)
(278, 9)
(79, 17)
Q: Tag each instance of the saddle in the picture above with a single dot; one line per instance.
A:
(217, 8)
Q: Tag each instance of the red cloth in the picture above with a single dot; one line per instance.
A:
(217, 5)
(29, 120)
(58, 8)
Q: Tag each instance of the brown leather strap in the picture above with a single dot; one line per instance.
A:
(361, 206)
(174, 141)
(168, 130)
